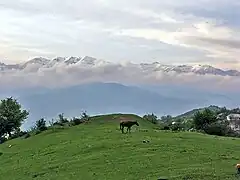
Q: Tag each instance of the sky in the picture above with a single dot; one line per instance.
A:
(168, 31)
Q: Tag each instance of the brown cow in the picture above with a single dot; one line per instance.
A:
(128, 124)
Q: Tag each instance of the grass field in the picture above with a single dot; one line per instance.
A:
(98, 150)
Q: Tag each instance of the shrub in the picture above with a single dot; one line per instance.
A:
(61, 120)
(22, 133)
(151, 117)
(18, 133)
(76, 121)
(41, 125)
(204, 119)
(176, 127)
(166, 127)
(216, 129)
(85, 117)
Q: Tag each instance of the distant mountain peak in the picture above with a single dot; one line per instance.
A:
(89, 62)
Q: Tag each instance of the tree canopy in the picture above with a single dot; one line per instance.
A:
(151, 117)
(11, 116)
(204, 118)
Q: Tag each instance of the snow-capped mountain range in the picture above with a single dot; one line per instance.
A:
(93, 62)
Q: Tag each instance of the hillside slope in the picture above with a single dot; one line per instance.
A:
(98, 150)
(190, 114)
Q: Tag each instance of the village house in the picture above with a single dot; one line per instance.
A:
(234, 121)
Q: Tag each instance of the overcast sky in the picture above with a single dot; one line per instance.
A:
(168, 31)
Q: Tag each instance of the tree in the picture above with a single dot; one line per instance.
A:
(41, 125)
(151, 117)
(61, 120)
(204, 118)
(218, 128)
(11, 116)
(85, 116)
(166, 118)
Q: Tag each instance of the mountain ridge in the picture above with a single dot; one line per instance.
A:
(89, 62)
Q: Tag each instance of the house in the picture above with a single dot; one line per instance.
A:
(234, 121)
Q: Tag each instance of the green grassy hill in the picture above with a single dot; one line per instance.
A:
(98, 150)
(190, 114)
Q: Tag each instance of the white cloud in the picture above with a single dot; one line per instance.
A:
(216, 40)
(125, 72)
(70, 27)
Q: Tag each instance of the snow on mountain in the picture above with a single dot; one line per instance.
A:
(36, 61)
(72, 60)
(206, 69)
(90, 62)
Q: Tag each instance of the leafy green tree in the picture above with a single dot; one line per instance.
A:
(166, 118)
(218, 128)
(61, 121)
(204, 118)
(151, 117)
(11, 116)
(85, 116)
(41, 125)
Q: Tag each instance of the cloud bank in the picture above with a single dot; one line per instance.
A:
(62, 75)
(204, 31)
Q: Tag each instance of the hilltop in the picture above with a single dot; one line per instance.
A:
(190, 114)
(98, 150)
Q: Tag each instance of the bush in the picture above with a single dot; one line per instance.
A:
(216, 129)
(151, 117)
(76, 121)
(85, 117)
(41, 125)
(22, 133)
(176, 127)
(61, 121)
(166, 127)
(18, 133)
(204, 119)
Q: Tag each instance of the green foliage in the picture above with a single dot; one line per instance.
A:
(11, 116)
(177, 126)
(204, 118)
(217, 128)
(151, 118)
(41, 125)
(85, 117)
(61, 121)
(166, 118)
(76, 121)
